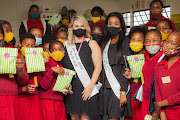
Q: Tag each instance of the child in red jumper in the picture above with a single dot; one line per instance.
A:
(167, 89)
(9, 87)
(53, 107)
(137, 36)
(10, 41)
(152, 45)
(29, 101)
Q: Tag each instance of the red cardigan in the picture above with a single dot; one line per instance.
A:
(9, 86)
(48, 81)
(148, 71)
(171, 89)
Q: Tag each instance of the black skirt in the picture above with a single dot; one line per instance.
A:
(110, 104)
(75, 104)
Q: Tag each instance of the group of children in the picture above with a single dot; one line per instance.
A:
(22, 99)
(161, 54)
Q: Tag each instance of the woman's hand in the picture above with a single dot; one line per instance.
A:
(58, 70)
(128, 73)
(87, 92)
(123, 99)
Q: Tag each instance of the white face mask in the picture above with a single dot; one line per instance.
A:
(152, 49)
(38, 41)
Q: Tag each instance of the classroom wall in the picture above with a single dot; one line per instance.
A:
(16, 11)
(175, 4)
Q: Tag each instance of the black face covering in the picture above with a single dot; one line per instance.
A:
(79, 32)
(97, 37)
(113, 31)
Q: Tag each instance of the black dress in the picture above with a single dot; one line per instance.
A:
(109, 103)
(74, 102)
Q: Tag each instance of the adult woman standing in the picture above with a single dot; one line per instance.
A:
(115, 98)
(84, 56)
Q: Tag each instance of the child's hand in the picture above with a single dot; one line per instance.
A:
(155, 116)
(46, 58)
(157, 106)
(58, 70)
(30, 88)
(123, 99)
(19, 64)
(128, 73)
(69, 90)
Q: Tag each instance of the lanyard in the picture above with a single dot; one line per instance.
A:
(80, 45)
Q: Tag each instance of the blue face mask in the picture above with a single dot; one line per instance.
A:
(38, 41)
(35, 15)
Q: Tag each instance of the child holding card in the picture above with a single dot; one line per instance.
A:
(9, 86)
(137, 36)
(53, 107)
(167, 89)
(152, 56)
(29, 101)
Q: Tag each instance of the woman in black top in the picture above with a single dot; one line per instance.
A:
(115, 30)
(80, 105)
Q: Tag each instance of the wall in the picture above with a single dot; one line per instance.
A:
(175, 6)
(16, 11)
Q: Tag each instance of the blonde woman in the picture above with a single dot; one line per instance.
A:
(81, 105)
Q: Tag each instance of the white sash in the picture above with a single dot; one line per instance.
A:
(109, 74)
(80, 69)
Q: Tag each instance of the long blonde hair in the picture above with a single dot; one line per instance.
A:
(83, 20)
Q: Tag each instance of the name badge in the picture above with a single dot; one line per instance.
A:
(166, 79)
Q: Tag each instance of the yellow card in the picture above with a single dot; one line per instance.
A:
(142, 78)
(166, 79)
(35, 81)
(11, 76)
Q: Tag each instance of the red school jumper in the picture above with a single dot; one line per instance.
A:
(29, 103)
(151, 23)
(53, 107)
(136, 106)
(167, 86)
(9, 95)
(148, 71)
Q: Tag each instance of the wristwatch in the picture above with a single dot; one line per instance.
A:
(123, 92)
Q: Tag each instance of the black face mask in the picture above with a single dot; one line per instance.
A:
(79, 32)
(97, 37)
(113, 31)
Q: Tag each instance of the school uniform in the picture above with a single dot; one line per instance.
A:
(152, 24)
(148, 71)
(41, 24)
(9, 95)
(29, 103)
(136, 106)
(91, 24)
(167, 87)
(53, 107)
